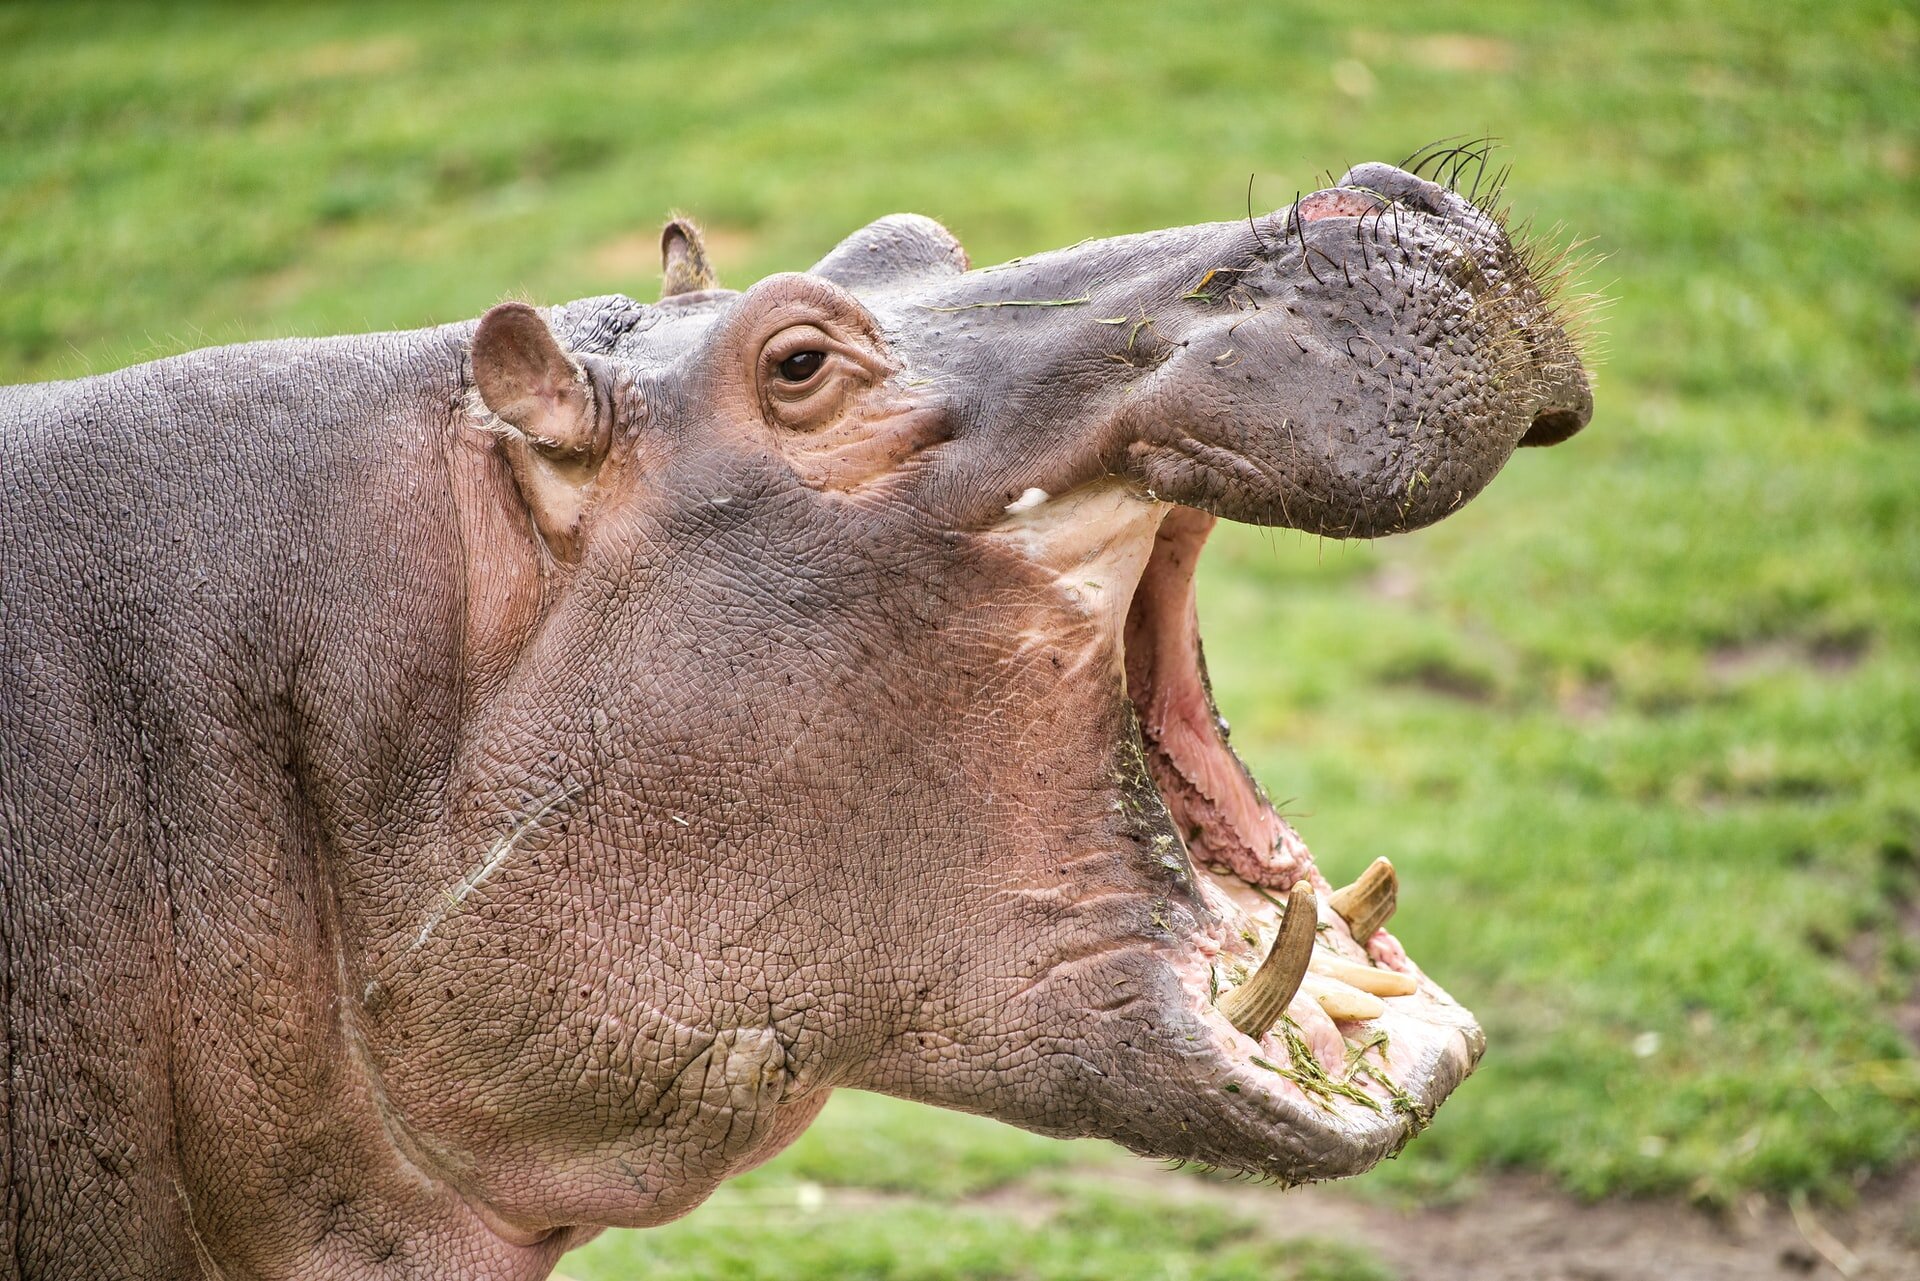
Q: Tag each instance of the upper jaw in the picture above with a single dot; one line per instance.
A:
(1504, 276)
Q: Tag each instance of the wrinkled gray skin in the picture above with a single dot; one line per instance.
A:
(427, 840)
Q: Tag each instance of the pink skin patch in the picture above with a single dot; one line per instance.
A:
(1335, 203)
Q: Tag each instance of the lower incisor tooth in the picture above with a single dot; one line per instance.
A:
(1344, 1004)
(1367, 978)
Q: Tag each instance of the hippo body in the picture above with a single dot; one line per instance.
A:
(471, 787)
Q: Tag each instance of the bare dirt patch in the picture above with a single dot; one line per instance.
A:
(1831, 654)
(1395, 583)
(1444, 678)
(1443, 51)
(1906, 1015)
(1520, 1229)
(1582, 700)
(1448, 52)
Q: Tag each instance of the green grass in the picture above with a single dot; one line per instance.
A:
(1641, 728)
(887, 1190)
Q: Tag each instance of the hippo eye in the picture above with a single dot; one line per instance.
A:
(807, 373)
(801, 365)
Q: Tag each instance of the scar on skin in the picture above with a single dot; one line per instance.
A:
(502, 850)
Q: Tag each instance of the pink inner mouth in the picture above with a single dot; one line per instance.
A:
(1226, 819)
(1403, 1051)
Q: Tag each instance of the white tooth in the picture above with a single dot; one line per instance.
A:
(1027, 501)
(1367, 978)
(1343, 1004)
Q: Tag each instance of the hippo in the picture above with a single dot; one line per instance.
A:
(471, 787)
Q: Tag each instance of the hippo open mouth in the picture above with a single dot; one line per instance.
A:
(1305, 1043)
(1310, 1001)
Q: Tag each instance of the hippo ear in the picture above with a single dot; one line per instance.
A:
(897, 247)
(561, 427)
(683, 259)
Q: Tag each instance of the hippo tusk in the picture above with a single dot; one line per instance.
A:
(1368, 903)
(1256, 1005)
(1368, 978)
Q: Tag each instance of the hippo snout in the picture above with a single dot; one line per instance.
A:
(1565, 399)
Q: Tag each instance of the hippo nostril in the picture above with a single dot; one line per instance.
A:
(1551, 426)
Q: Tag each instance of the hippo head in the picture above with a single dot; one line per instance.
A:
(862, 735)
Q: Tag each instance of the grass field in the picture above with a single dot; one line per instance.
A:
(1641, 727)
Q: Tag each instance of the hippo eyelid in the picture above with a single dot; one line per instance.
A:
(796, 340)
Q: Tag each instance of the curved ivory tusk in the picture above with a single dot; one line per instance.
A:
(1368, 903)
(1256, 1005)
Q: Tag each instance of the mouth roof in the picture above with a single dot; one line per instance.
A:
(1309, 999)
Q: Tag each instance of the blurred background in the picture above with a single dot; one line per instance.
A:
(1640, 728)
